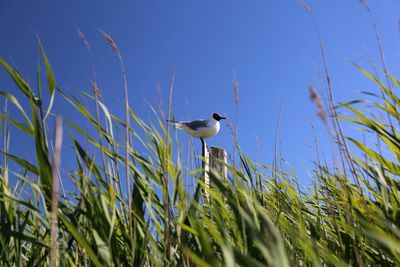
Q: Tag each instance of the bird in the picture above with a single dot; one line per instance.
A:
(200, 128)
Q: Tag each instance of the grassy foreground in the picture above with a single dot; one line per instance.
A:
(261, 217)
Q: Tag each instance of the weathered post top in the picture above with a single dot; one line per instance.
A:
(217, 160)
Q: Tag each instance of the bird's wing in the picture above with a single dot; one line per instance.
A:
(196, 124)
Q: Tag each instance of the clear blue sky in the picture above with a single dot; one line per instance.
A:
(271, 45)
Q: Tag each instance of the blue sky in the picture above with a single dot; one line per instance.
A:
(270, 45)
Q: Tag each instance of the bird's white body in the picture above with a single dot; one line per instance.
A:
(211, 129)
(199, 128)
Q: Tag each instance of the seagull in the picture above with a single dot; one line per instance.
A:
(200, 128)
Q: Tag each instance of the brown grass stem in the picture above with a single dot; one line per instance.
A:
(54, 192)
(235, 132)
(277, 137)
(116, 50)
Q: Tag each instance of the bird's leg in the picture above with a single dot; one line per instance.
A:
(203, 147)
(203, 155)
(205, 167)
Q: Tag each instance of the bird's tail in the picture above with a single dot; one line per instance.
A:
(177, 124)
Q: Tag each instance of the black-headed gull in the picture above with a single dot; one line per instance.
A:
(200, 128)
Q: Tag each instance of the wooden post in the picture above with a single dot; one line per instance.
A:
(205, 165)
(218, 160)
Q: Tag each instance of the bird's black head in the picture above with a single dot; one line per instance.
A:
(217, 117)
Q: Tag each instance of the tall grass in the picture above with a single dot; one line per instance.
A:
(265, 218)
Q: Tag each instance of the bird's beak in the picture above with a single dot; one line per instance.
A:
(222, 118)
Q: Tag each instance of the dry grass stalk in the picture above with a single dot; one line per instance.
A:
(306, 6)
(160, 102)
(96, 89)
(236, 88)
(318, 103)
(277, 156)
(315, 98)
(115, 49)
(83, 39)
(111, 42)
(54, 192)
(235, 129)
